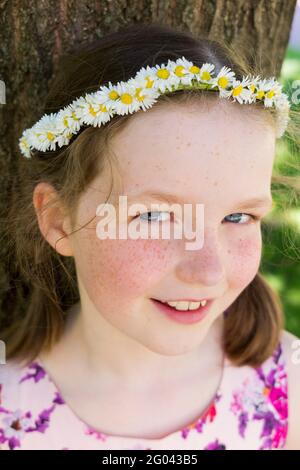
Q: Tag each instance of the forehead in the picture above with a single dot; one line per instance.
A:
(182, 144)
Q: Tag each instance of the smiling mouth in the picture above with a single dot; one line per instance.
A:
(183, 316)
(186, 304)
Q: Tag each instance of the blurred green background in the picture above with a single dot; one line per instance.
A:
(281, 230)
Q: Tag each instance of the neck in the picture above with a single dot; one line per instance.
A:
(102, 352)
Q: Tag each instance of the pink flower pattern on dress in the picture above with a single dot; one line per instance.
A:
(18, 422)
(263, 397)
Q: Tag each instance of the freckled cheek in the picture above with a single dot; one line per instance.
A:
(125, 267)
(243, 260)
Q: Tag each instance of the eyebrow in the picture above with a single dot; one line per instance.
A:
(171, 198)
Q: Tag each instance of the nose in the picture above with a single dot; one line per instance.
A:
(205, 265)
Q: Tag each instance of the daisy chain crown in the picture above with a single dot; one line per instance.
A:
(141, 92)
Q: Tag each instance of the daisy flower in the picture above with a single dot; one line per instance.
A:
(223, 80)
(107, 94)
(240, 92)
(119, 98)
(206, 73)
(185, 71)
(146, 96)
(67, 120)
(93, 109)
(254, 83)
(274, 91)
(126, 101)
(44, 133)
(165, 78)
(146, 77)
(195, 71)
(24, 143)
(267, 89)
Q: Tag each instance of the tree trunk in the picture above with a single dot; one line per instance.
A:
(34, 34)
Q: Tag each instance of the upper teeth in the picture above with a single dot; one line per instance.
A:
(182, 305)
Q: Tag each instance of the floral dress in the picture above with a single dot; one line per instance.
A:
(248, 411)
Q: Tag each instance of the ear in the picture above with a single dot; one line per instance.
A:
(53, 221)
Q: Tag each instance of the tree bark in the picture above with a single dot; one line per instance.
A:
(35, 33)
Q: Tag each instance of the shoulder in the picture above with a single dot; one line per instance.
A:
(291, 353)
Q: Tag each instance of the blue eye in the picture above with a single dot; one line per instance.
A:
(238, 215)
(151, 219)
(144, 217)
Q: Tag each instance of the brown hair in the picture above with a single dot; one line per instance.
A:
(253, 322)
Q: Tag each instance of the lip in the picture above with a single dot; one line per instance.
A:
(184, 300)
(185, 317)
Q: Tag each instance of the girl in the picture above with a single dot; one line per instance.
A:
(98, 359)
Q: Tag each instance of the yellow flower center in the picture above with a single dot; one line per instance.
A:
(138, 96)
(237, 90)
(194, 69)
(223, 82)
(113, 95)
(270, 94)
(163, 73)
(149, 83)
(92, 111)
(103, 108)
(206, 76)
(74, 116)
(252, 88)
(179, 71)
(50, 136)
(66, 122)
(126, 98)
(260, 94)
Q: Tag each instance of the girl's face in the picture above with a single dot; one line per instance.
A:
(220, 156)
